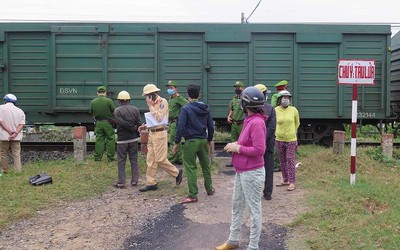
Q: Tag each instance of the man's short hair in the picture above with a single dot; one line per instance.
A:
(193, 90)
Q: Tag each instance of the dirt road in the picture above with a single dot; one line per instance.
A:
(127, 219)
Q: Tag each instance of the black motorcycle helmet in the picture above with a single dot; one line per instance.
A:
(252, 97)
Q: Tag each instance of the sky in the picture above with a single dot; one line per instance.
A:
(218, 11)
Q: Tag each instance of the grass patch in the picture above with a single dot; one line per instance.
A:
(363, 216)
(71, 182)
(222, 137)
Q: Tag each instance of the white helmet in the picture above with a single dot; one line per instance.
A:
(284, 93)
(150, 88)
(10, 98)
(123, 95)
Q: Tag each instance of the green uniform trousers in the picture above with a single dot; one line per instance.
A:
(105, 139)
(191, 149)
(177, 158)
(235, 131)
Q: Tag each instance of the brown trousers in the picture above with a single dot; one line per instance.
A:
(157, 156)
(16, 153)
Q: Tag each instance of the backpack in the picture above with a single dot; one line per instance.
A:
(40, 179)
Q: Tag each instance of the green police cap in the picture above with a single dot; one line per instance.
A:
(238, 84)
(281, 83)
(171, 83)
(101, 89)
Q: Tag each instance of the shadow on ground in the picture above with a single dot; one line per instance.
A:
(173, 231)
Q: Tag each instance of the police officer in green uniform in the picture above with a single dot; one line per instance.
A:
(235, 115)
(102, 109)
(175, 103)
(282, 85)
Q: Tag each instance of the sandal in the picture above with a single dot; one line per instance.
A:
(283, 184)
(291, 187)
(211, 192)
(188, 200)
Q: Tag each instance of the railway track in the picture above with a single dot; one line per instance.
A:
(69, 146)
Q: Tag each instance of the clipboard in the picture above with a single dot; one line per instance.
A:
(151, 121)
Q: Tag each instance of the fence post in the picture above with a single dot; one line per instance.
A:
(144, 139)
(339, 138)
(211, 152)
(387, 145)
(79, 143)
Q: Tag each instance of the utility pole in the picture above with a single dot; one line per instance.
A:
(242, 18)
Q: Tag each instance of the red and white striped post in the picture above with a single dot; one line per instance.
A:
(353, 136)
(355, 72)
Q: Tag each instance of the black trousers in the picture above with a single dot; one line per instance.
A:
(269, 172)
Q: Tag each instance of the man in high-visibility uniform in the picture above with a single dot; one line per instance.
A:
(158, 140)
(102, 109)
(282, 85)
(175, 103)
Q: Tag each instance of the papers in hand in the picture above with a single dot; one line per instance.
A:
(151, 121)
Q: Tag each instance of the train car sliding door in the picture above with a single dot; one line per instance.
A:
(226, 64)
(181, 60)
(29, 70)
(317, 89)
(373, 100)
(78, 69)
(119, 57)
(131, 61)
(273, 59)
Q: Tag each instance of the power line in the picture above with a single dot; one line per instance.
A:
(247, 19)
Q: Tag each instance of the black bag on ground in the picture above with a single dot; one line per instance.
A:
(40, 179)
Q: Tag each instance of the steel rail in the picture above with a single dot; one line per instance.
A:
(69, 146)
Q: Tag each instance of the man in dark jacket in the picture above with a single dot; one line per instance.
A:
(196, 126)
(128, 120)
(270, 141)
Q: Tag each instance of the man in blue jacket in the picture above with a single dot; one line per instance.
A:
(197, 127)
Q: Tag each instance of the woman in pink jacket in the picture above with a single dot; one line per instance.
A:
(248, 160)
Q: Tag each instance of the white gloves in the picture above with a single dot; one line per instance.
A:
(232, 147)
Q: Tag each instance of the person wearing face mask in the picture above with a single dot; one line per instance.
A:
(235, 115)
(282, 85)
(175, 103)
(157, 146)
(287, 123)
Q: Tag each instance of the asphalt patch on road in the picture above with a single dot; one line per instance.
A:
(173, 231)
(230, 171)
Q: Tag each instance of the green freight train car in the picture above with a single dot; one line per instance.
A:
(395, 80)
(54, 68)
